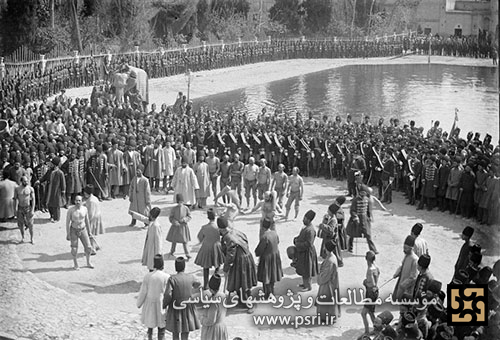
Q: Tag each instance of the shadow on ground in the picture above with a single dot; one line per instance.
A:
(127, 287)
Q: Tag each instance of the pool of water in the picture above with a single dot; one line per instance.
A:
(423, 93)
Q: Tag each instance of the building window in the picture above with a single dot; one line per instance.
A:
(458, 32)
(427, 31)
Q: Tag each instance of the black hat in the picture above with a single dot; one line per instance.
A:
(462, 277)
(370, 255)
(180, 264)
(89, 189)
(476, 258)
(310, 215)
(417, 228)
(340, 200)
(386, 317)
(291, 251)
(333, 208)
(436, 310)
(408, 319)
(424, 261)
(266, 223)
(155, 212)
(211, 214)
(158, 262)
(434, 286)
(222, 223)
(179, 198)
(468, 231)
(214, 282)
(410, 241)
(56, 160)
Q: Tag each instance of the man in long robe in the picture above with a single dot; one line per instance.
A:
(56, 190)
(406, 273)
(168, 165)
(463, 256)
(132, 159)
(185, 183)
(328, 281)
(139, 195)
(306, 257)
(117, 168)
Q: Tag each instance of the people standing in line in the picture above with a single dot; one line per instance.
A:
(154, 240)
(371, 289)
(139, 195)
(180, 321)
(210, 253)
(328, 281)
(78, 228)
(180, 215)
(25, 197)
(294, 192)
(151, 296)
(306, 257)
(269, 270)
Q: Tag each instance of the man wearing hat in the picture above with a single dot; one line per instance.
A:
(132, 159)
(139, 195)
(151, 296)
(185, 182)
(328, 281)
(463, 256)
(420, 247)
(180, 320)
(328, 230)
(239, 263)
(424, 276)
(453, 190)
(212, 318)
(429, 184)
(307, 260)
(56, 190)
(154, 241)
(406, 273)
(269, 270)
(442, 183)
(360, 221)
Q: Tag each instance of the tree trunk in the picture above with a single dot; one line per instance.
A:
(77, 44)
(370, 17)
(353, 15)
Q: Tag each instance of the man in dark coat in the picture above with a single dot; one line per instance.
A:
(269, 270)
(387, 177)
(307, 259)
(360, 221)
(463, 256)
(239, 264)
(442, 183)
(429, 184)
(56, 190)
(329, 231)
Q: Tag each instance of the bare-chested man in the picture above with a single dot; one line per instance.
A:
(294, 192)
(280, 180)
(25, 197)
(78, 227)
(213, 169)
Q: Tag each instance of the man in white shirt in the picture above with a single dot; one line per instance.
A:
(168, 165)
(420, 248)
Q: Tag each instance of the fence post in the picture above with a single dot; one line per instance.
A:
(162, 51)
(184, 46)
(303, 39)
(239, 42)
(109, 56)
(256, 40)
(2, 68)
(269, 39)
(76, 57)
(204, 45)
(222, 44)
(43, 62)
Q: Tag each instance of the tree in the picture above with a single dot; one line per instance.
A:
(18, 24)
(286, 12)
(318, 14)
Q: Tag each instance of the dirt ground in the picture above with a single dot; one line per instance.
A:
(108, 292)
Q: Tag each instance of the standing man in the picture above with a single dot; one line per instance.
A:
(213, 169)
(294, 192)
(429, 184)
(407, 272)
(78, 227)
(420, 247)
(168, 165)
(117, 169)
(25, 197)
(263, 179)
(132, 159)
(225, 180)
(387, 177)
(453, 190)
(279, 182)
(328, 231)
(56, 190)
(463, 256)
(236, 172)
(424, 276)
(181, 318)
(185, 183)
(269, 270)
(360, 221)
(139, 195)
(306, 257)
(250, 180)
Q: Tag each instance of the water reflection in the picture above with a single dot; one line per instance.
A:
(409, 92)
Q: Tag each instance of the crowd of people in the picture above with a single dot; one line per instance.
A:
(44, 79)
(54, 154)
